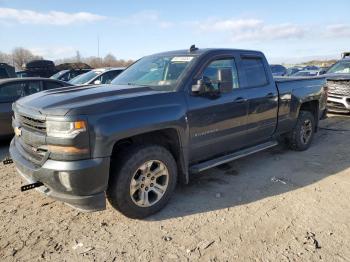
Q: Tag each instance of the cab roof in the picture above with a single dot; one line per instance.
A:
(202, 51)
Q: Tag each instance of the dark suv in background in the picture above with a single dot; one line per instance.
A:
(38, 68)
(6, 71)
(278, 70)
(15, 88)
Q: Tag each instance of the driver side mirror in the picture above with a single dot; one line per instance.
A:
(223, 83)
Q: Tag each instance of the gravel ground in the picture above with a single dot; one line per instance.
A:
(277, 205)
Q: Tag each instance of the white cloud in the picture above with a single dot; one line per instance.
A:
(51, 18)
(11, 15)
(338, 30)
(54, 52)
(251, 29)
(144, 17)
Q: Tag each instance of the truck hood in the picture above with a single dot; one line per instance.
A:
(77, 100)
(337, 76)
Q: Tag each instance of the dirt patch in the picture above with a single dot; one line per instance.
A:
(277, 205)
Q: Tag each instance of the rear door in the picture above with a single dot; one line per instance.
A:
(261, 92)
(9, 93)
(217, 125)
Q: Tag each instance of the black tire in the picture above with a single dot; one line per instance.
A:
(123, 170)
(296, 139)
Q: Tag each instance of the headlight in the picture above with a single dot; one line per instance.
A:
(65, 129)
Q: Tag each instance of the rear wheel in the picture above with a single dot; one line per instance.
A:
(142, 180)
(302, 134)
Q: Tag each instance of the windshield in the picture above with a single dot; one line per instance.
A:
(342, 67)
(57, 75)
(161, 72)
(84, 78)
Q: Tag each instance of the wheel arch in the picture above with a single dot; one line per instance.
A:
(313, 107)
(169, 138)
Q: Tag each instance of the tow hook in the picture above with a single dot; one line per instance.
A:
(31, 186)
(7, 161)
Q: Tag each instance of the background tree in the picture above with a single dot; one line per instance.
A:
(21, 56)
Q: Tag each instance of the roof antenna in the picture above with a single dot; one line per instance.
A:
(193, 48)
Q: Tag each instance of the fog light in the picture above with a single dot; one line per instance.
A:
(64, 179)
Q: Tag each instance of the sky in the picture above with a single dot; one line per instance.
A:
(286, 31)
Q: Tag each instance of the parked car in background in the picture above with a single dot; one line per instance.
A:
(76, 65)
(311, 68)
(97, 76)
(323, 70)
(338, 81)
(293, 70)
(165, 117)
(278, 70)
(306, 73)
(38, 68)
(7, 71)
(67, 75)
(12, 89)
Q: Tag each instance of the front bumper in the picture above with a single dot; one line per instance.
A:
(81, 184)
(338, 104)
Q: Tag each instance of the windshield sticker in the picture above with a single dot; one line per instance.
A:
(182, 59)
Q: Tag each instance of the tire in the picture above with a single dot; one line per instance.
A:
(302, 134)
(140, 166)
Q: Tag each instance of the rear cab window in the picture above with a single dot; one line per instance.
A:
(254, 70)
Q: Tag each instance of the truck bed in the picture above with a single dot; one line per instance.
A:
(281, 79)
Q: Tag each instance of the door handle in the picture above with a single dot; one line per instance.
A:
(240, 100)
(270, 95)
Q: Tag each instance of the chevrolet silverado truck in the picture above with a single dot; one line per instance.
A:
(338, 82)
(167, 116)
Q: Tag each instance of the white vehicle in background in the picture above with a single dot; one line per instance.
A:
(97, 76)
(307, 73)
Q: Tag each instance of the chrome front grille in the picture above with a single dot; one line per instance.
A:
(339, 87)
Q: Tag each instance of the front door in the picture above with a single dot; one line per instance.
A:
(217, 125)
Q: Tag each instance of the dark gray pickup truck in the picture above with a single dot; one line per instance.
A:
(165, 117)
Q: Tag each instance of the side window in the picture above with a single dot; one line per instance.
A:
(254, 71)
(109, 76)
(33, 87)
(51, 85)
(12, 91)
(211, 71)
(65, 77)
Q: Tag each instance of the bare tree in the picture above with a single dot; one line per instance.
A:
(109, 60)
(6, 58)
(21, 56)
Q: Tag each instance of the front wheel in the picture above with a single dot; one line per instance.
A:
(142, 181)
(302, 134)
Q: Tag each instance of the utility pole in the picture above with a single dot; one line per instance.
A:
(98, 46)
